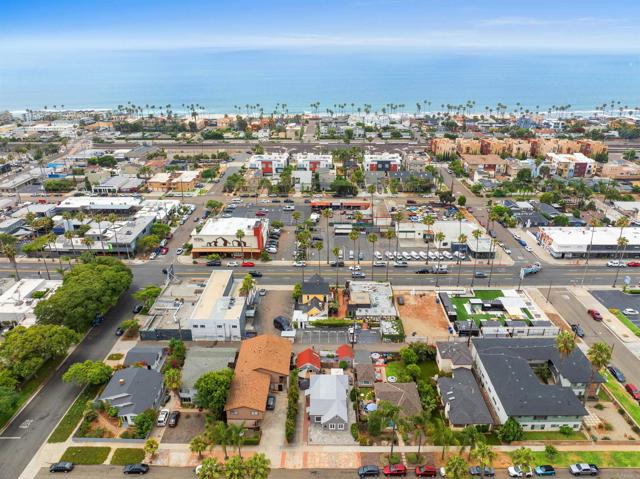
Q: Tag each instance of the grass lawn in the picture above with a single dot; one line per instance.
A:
(623, 397)
(127, 455)
(487, 294)
(632, 327)
(553, 436)
(398, 369)
(86, 455)
(601, 458)
(30, 386)
(74, 415)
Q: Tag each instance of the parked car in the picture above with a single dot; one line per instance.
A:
(379, 264)
(299, 264)
(61, 467)
(174, 417)
(355, 267)
(477, 471)
(119, 331)
(630, 311)
(517, 471)
(633, 264)
(395, 470)
(368, 471)
(135, 468)
(162, 418)
(595, 314)
(179, 251)
(262, 292)
(584, 469)
(614, 263)
(271, 402)
(480, 274)
(255, 274)
(633, 391)
(616, 373)
(248, 264)
(423, 271)
(336, 264)
(400, 264)
(232, 264)
(545, 470)
(426, 471)
(214, 262)
(282, 323)
(137, 308)
(577, 329)
(358, 275)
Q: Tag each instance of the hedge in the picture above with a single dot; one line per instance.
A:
(292, 406)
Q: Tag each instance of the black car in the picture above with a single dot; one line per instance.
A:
(616, 373)
(577, 329)
(369, 471)
(423, 271)
(255, 274)
(61, 467)
(307, 201)
(119, 331)
(288, 201)
(136, 468)
(275, 201)
(271, 402)
(215, 262)
(174, 417)
(282, 323)
(137, 308)
(336, 264)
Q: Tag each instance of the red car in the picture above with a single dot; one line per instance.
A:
(633, 264)
(248, 264)
(164, 250)
(395, 470)
(261, 213)
(631, 389)
(426, 471)
(595, 314)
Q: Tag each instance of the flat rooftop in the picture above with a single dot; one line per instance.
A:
(227, 226)
(379, 297)
(580, 237)
(99, 202)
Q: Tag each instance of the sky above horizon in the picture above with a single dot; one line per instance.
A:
(590, 26)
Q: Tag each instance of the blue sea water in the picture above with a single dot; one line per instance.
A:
(218, 80)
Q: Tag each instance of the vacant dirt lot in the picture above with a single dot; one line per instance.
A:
(421, 314)
(275, 303)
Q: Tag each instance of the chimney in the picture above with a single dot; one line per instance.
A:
(121, 381)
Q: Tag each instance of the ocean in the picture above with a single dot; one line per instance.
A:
(219, 80)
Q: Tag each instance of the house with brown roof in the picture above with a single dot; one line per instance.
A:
(491, 164)
(403, 395)
(262, 367)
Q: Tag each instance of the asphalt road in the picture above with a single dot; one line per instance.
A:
(573, 311)
(115, 472)
(22, 439)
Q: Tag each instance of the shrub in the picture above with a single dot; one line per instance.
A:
(510, 431)
(551, 452)
(354, 431)
(394, 458)
(599, 406)
(566, 430)
(115, 357)
(608, 426)
(343, 365)
(412, 458)
(353, 394)
(332, 323)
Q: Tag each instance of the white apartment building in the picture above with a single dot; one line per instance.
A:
(269, 164)
(312, 161)
(18, 302)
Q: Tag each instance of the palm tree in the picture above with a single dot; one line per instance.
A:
(88, 242)
(622, 245)
(439, 237)
(218, 433)
(239, 236)
(354, 236)
(211, 469)
(492, 258)
(372, 238)
(258, 466)
(621, 223)
(419, 424)
(462, 239)
(8, 248)
(476, 234)
(523, 458)
(326, 214)
(428, 221)
(318, 247)
(484, 455)
(112, 219)
(459, 216)
(599, 354)
(397, 218)
(336, 255)
(442, 436)
(248, 283)
(565, 343)
(390, 414)
(69, 235)
(236, 434)
(389, 234)
(456, 467)
(296, 217)
(358, 216)
(371, 189)
(470, 437)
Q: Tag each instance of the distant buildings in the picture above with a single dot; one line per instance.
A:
(619, 170)
(180, 181)
(571, 165)
(219, 235)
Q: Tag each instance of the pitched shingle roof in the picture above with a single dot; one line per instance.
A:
(461, 393)
(404, 395)
(315, 285)
(457, 352)
(133, 390)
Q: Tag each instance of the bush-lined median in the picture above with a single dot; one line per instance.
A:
(74, 415)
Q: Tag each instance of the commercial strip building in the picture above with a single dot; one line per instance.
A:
(120, 205)
(600, 242)
(18, 302)
(268, 164)
(213, 310)
(219, 235)
(118, 184)
(451, 229)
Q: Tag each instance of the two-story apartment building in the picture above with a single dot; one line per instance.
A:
(508, 370)
(312, 161)
(382, 162)
(571, 165)
(262, 367)
(268, 164)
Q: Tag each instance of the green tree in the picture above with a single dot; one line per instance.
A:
(211, 469)
(212, 390)
(408, 356)
(8, 400)
(198, 445)
(239, 237)
(599, 355)
(147, 295)
(297, 292)
(234, 468)
(148, 243)
(523, 458)
(462, 200)
(151, 446)
(172, 379)
(144, 422)
(372, 238)
(258, 466)
(456, 467)
(248, 283)
(215, 206)
(236, 435)
(88, 372)
(470, 438)
(561, 220)
(442, 435)
(161, 230)
(218, 433)
(484, 455)
(8, 249)
(565, 343)
(629, 155)
(510, 431)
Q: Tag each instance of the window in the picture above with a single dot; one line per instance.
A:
(316, 419)
(332, 426)
(542, 427)
(254, 413)
(340, 427)
(219, 326)
(234, 412)
(234, 326)
(195, 326)
(202, 326)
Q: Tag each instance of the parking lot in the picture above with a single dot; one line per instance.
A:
(274, 303)
(621, 301)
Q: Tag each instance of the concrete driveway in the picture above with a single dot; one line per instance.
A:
(273, 423)
(191, 424)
